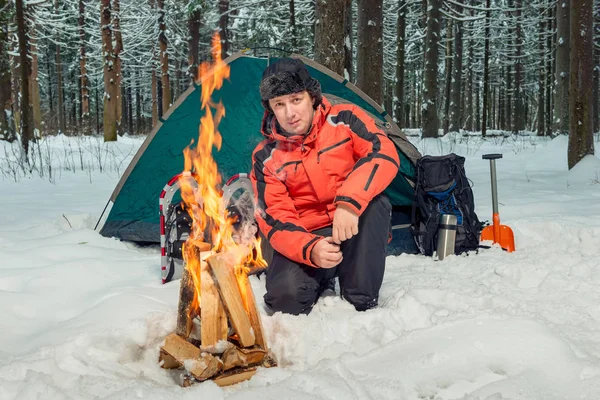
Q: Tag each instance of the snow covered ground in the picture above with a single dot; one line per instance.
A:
(83, 316)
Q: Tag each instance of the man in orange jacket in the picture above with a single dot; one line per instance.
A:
(318, 178)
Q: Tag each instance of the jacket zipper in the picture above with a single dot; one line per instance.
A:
(333, 146)
(286, 164)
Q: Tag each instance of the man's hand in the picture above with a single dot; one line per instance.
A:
(345, 223)
(326, 254)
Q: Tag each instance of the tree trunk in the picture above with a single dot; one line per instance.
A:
(486, 70)
(97, 109)
(26, 120)
(416, 110)
(159, 93)
(15, 68)
(7, 125)
(73, 95)
(431, 121)
(123, 103)
(329, 34)
(509, 90)
(348, 42)
(177, 91)
(138, 104)
(118, 68)
(501, 102)
(223, 27)
(561, 79)
(477, 106)
(455, 103)
(401, 34)
(541, 118)
(369, 71)
(49, 73)
(164, 57)
(154, 97)
(129, 104)
(448, 71)
(509, 97)
(581, 138)
(492, 111)
(293, 31)
(549, 74)
(469, 100)
(62, 123)
(110, 79)
(84, 81)
(34, 90)
(596, 95)
(194, 25)
(519, 117)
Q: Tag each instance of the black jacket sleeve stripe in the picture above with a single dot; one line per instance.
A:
(259, 164)
(358, 126)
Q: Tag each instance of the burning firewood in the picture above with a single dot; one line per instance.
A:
(215, 292)
(186, 311)
(226, 297)
(214, 320)
(236, 357)
(204, 367)
(253, 314)
(235, 376)
(176, 350)
(224, 276)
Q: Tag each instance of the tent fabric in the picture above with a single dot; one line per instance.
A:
(133, 213)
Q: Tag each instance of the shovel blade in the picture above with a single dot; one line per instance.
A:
(506, 237)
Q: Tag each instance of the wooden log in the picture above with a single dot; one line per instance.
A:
(185, 313)
(187, 310)
(269, 361)
(234, 376)
(187, 380)
(178, 349)
(236, 357)
(167, 361)
(224, 276)
(253, 313)
(214, 320)
(204, 367)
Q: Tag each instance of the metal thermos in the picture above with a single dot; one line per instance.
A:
(446, 235)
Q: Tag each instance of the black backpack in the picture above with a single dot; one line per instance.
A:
(442, 187)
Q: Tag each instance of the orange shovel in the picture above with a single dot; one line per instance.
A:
(501, 234)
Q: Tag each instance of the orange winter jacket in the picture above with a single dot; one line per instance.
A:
(299, 180)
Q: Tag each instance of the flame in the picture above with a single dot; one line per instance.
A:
(200, 186)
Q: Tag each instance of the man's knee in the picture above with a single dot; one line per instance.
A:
(290, 297)
(290, 289)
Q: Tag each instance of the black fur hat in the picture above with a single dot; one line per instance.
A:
(288, 76)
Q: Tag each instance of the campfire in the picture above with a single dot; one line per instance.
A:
(219, 333)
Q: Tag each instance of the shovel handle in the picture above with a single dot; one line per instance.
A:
(493, 158)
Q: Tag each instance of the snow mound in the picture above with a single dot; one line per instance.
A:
(586, 171)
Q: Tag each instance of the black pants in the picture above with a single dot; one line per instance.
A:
(294, 288)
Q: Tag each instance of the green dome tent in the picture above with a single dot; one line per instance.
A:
(132, 211)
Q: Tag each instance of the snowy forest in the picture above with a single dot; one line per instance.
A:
(112, 67)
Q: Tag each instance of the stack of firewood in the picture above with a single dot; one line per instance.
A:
(222, 339)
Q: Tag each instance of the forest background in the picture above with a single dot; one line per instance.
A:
(114, 67)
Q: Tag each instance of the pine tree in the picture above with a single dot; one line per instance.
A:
(369, 77)
(329, 34)
(581, 138)
(7, 125)
(431, 120)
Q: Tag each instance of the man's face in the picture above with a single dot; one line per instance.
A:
(294, 112)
